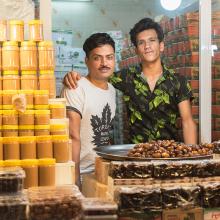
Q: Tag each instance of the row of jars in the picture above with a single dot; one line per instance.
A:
(38, 172)
(32, 147)
(28, 56)
(16, 30)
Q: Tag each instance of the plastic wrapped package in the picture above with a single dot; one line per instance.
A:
(13, 207)
(11, 179)
(122, 170)
(57, 203)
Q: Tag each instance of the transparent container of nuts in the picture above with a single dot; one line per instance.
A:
(11, 148)
(44, 146)
(26, 130)
(16, 30)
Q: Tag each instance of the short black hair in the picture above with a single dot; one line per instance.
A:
(146, 24)
(97, 40)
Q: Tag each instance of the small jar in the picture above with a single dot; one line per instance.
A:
(47, 81)
(42, 117)
(1, 149)
(47, 172)
(29, 80)
(9, 117)
(30, 167)
(11, 148)
(36, 30)
(10, 80)
(26, 130)
(61, 148)
(26, 118)
(44, 146)
(3, 30)
(58, 129)
(57, 110)
(9, 130)
(28, 56)
(41, 97)
(29, 96)
(10, 56)
(28, 147)
(46, 55)
(16, 30)
(7, 98)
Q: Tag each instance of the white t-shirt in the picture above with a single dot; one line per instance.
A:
(97, 109)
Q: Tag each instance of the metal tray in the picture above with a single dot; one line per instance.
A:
(119, 152)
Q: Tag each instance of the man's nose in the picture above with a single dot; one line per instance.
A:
(103, 61)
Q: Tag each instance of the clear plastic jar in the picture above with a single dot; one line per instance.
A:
(28, 147)
(29, 96)
(29, 80)
(9, 117)
(10, 80)
(47, 81)
(16, 30)
(41, 130)
(61, 148)
(1, 149)
(7, 98)
(44, 146)
(36, 30)
(47, 172)
(3, 30)
(28, 56)
(30, 167)
(11, 148)
(26, 118)
(42, 117)
(58, 129)
(9, 130)
(10, 56)
(26, 130)
(57, 110)
(41, 97)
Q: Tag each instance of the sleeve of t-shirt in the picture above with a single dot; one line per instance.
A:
(74, 99)
(184, 91)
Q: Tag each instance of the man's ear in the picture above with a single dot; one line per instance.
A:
(86, 60)
(162, 46)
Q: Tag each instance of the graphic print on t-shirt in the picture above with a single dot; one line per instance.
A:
(102, 126)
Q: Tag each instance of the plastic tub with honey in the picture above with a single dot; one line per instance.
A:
(10, 80)
(7, 98)
(1, 148)
(41, 130)
(29, 80)
(16, 30)
(58, 129)
(1, 99)
(29, 97)
(0, 82)
(36, 30)
(44, 146)
(28, 147)
(41, 97)
(58, 110)
(26, 130)
(42, 117)
(11, 148)
(3, 30)
(9, 117)
(9, 130)
(26, 118)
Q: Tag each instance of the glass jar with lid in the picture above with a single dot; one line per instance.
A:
(16, 30)
(29, 80)
(10, 80)
(11, 148)
(36, 30)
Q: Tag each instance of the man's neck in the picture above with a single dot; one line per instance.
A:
(151, 70)
(102, 84)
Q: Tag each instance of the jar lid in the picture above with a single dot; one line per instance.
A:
(45, 72)
(47, 161)
(28, 72)
(10, 139)
(27, 112)
(29, 162)
(9, 92)
(41, 127)
(0, 112)
(41, 92)
(9, 112)
(45, 44)
(42, 112)
(44, 138)
(10, 72)
(26, 127)
(1, 139)
(27, 138)
(12, 163)
(41, 107)
(20, 22)
(1, 163)
(57, 105)
(10, 43)
(60, 137)
(35, 22)
(26, 92)
(10, 127)
(58, 126)
(28, 43)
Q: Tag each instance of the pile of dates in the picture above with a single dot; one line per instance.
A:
(169, 149)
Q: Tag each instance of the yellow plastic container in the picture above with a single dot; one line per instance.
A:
(26, 130)
(28, 148)
(9, 130)
(29, 96)
(41, 130)
(7, 98)
(42, 117)
(41, 97)
(26, 118)
(44, 146)
(10, 80)
(36, 30)
(29, 80)
(16, 30)
(11, 148)
(57, 110)
(58, 129)
(9, 117)
(1, 150)
(3, 30)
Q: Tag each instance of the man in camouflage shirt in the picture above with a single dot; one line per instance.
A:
(155, 95)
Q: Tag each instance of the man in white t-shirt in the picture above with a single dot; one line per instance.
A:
(91, 107)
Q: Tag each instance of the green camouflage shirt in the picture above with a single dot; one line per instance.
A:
(152, 115)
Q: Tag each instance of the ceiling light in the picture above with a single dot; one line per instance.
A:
(170, 5)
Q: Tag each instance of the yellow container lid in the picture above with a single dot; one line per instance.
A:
(10, 127)
(28, 72)
(45, 72)
(26, 127)
(28, 43)
(47, 161)
(60, 137)
(9, 112)
(41, 107)
(35, 22)
(10, 139)
(44, 138)
(26, 92)
(58, 126)
(9, 92)
(1, 139)
(57, 105)
(10, 43)
(27, 112)
(42, 112)
(1, 163)
(0, 112)
(29, 162)
(45, 44)
(10, 72)
(41, 92)
(27, 138)
(19, 22)
(41, 127)
(12, 163)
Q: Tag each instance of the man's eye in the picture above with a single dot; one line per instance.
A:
(140, 42)
(110, 57)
